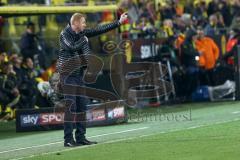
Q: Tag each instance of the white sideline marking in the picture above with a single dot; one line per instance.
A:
(193, 127)
(236, 112)
(48, 144)
(124, 139)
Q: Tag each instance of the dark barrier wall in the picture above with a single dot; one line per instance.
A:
(53, 118)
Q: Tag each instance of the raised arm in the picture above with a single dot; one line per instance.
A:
(101, 29)
(106, 27)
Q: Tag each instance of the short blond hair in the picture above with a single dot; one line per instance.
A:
(76, 17)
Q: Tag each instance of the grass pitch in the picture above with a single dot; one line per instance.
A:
(200, 131)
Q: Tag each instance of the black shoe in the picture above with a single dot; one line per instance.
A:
(70, 144)
(85, 142)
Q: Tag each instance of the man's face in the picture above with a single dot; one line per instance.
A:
(18, 61)
(29, 63)
(200, 33)
(31, 29)
(2, 57)
(79, 25)
(7, 69)
(213, 20)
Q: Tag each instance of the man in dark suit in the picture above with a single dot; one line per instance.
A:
(28, 43)
(74, 43)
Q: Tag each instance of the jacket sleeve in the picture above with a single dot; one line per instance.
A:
(102, 29)
(67, 42)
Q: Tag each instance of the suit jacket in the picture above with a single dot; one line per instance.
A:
(76, 44)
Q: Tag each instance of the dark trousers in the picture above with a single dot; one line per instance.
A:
(207, 77)
(191, 81)
(79, 107)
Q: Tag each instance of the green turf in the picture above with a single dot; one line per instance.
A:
(13, 145)
(8, 130)
(213, 142)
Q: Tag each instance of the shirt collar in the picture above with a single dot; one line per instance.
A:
(69, 28)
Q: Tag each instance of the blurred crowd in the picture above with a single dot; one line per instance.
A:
(173, 18)
(23, 80)
(202, 36)
(22, 86)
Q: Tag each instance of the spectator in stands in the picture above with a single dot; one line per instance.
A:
(28, 44)
(231, 48)
(49, 71)
(17, 67)
(168, 11)
(186, 23)
(235, 7)
(209, 53)
(189, 60)
(145, 27)
(225, 12)
(9, 93)
(236, 20)
(3, 58)
(124, 30)
(106, 17)
(28, 85)
(199, 10)
(189, 57)
(150, 5)
(168, 28)
(143, 12)
(212, 7)
(212, 28)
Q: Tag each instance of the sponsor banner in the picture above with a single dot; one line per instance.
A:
(147, 48)
(110, 114)
(89, 116)
(98, 115)
(116, 113)
(27, 120)
(49, 118)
